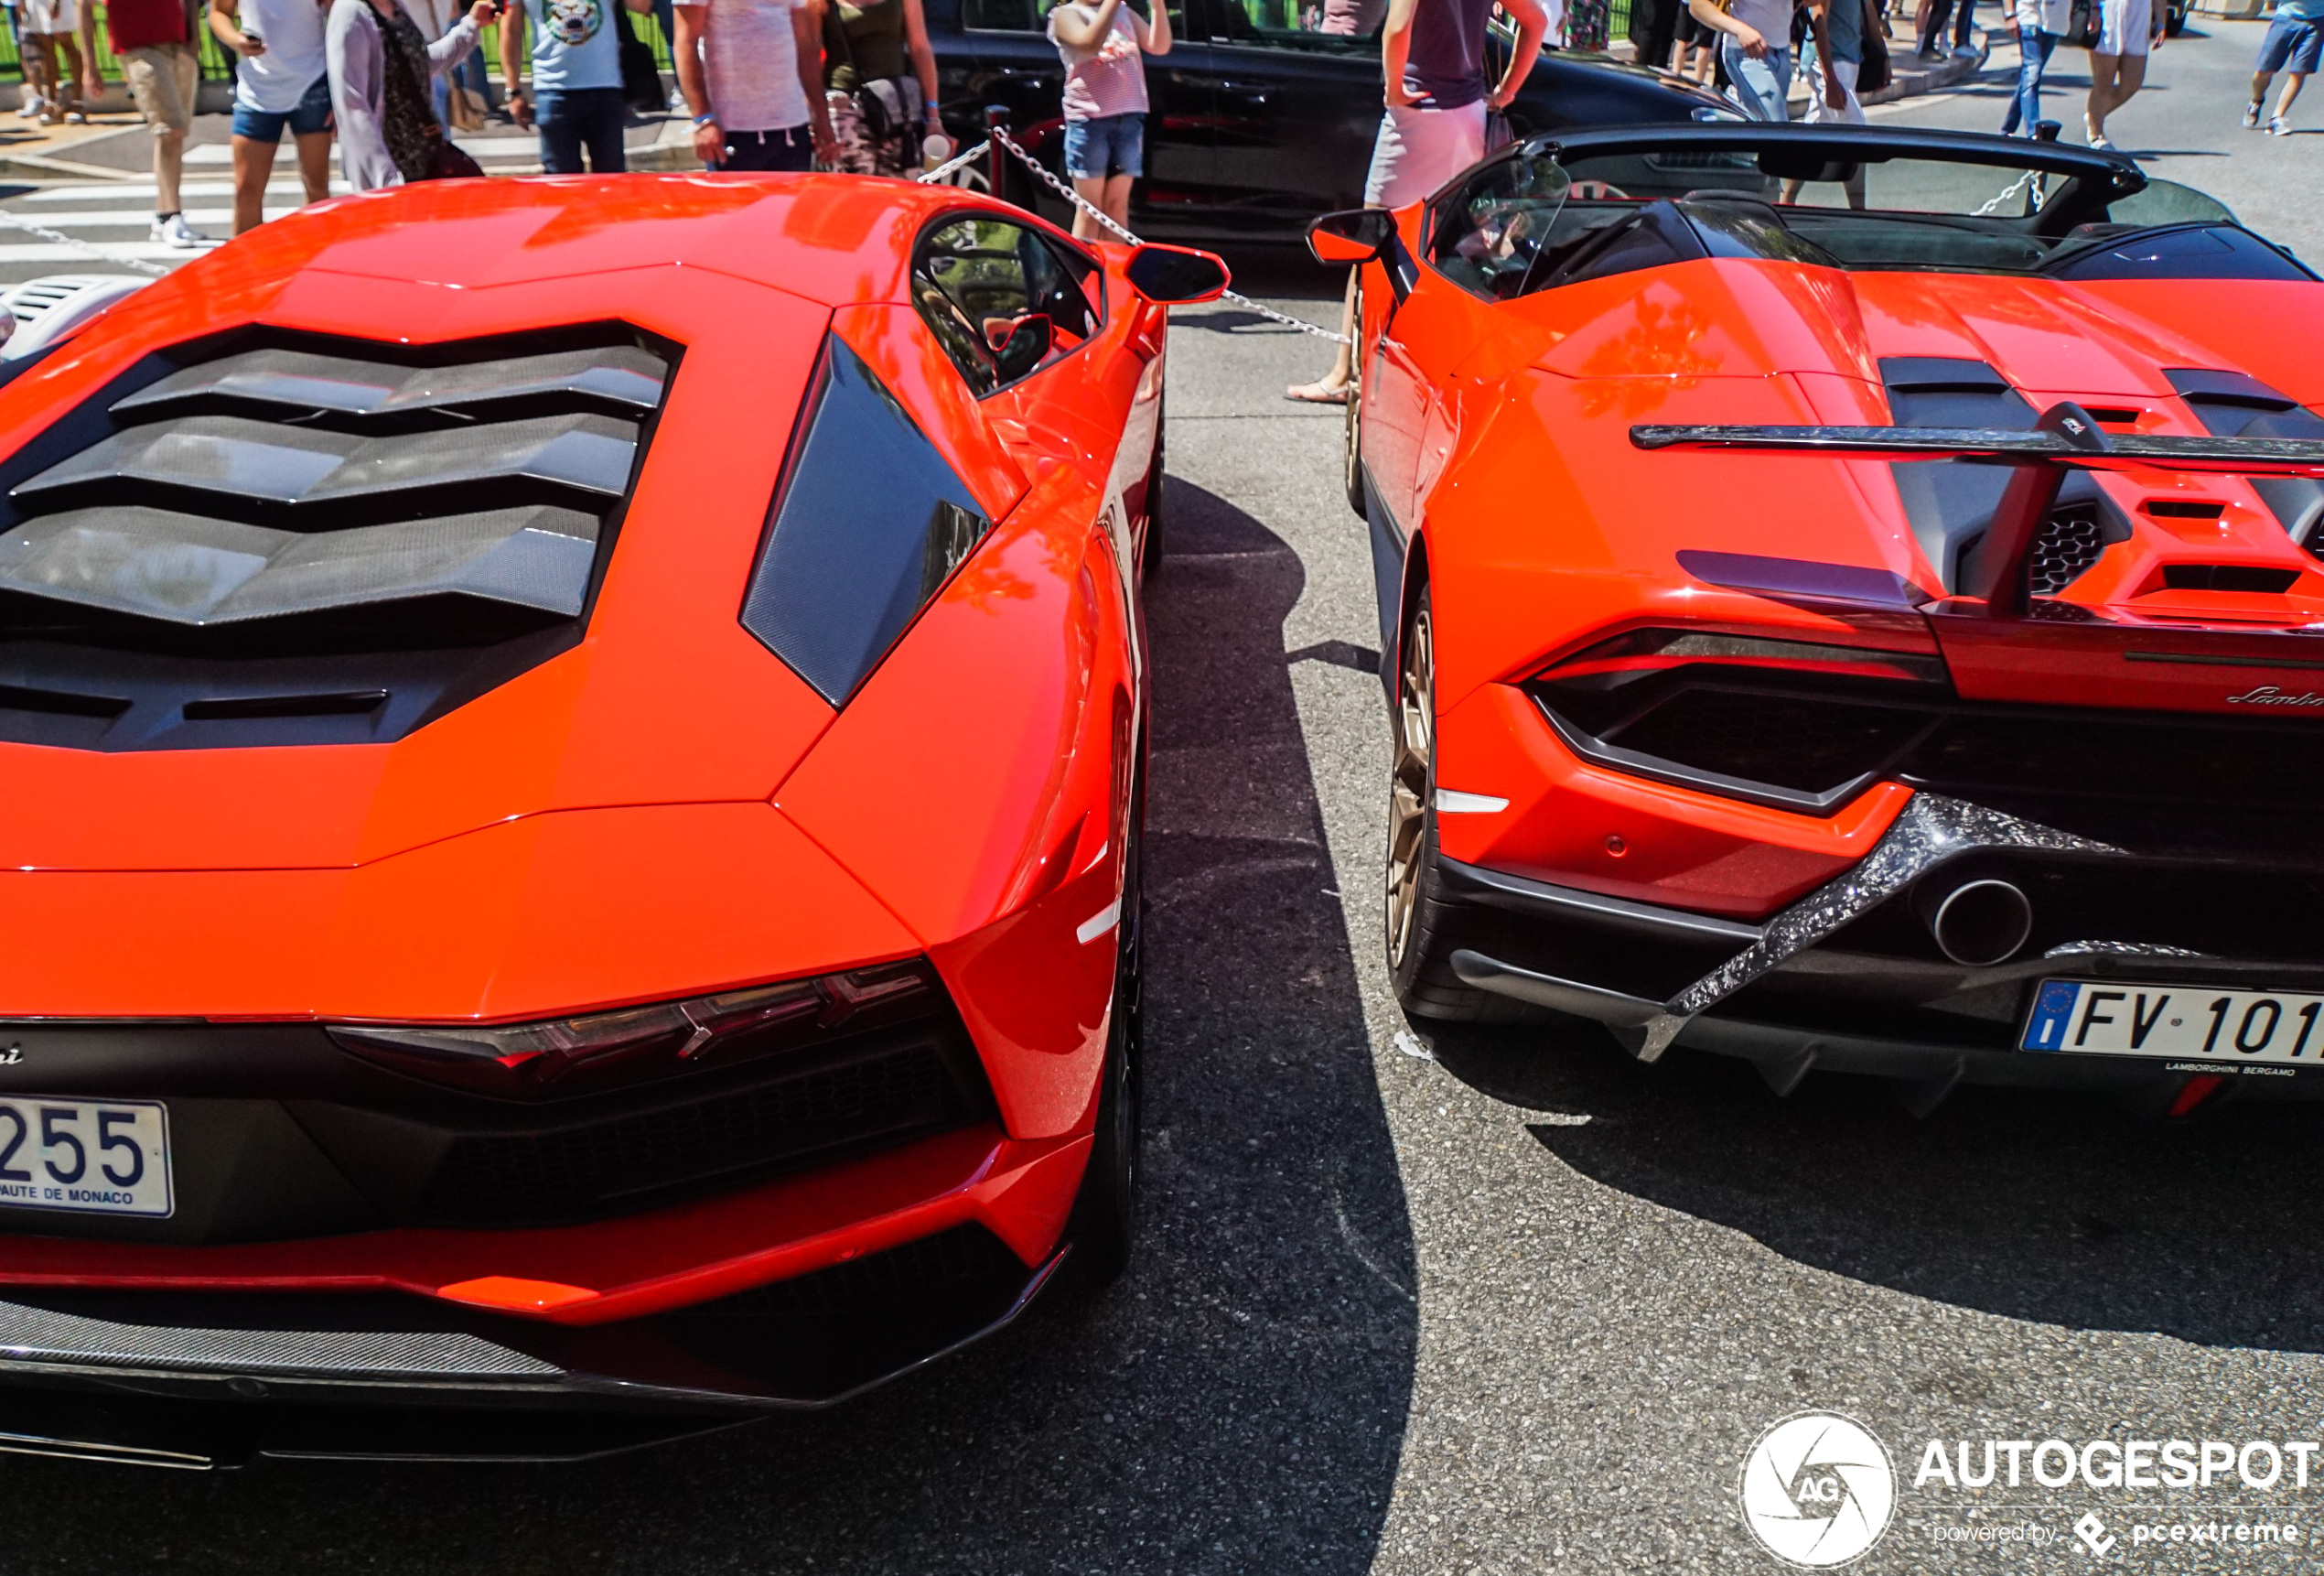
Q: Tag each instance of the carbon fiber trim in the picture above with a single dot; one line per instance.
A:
(69, 1341)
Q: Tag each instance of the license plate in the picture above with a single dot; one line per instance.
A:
(102, 1157)
(2196, 1023)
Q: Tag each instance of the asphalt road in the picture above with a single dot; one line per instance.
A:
(1512, 1304)
(2186, 124)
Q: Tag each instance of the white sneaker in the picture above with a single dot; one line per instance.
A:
(2251, 115)
(1963, 52)
(75, 118)
(2278, 126)
(175, 232)
(32, 106)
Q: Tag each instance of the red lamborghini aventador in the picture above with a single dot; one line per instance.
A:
(1853, 602)
(571, 755)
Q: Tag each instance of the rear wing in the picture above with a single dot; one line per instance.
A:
(2066, 438)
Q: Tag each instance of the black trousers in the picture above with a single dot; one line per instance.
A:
(1937, 15)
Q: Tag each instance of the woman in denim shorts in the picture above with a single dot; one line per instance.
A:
(1103, 46)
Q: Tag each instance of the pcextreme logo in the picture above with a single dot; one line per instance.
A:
(1818, 1489)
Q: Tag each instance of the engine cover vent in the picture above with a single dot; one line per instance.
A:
(286, 516)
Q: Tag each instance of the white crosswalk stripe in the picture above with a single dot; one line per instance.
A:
(130, 190)
(219, 221)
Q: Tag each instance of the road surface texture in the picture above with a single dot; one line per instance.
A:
(1498, 1302)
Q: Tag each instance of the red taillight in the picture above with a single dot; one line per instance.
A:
(1641, 654)
(563, 1056)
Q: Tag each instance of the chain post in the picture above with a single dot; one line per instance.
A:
(995, 134)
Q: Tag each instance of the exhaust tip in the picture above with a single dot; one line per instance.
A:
(1982, 922)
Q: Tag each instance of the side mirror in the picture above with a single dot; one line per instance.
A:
(1351, 236)
(1176, 275)
(1022, 346)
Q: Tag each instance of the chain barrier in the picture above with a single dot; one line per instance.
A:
(60, 239)
(1994, 204)
(952, 167)
(1041, 172)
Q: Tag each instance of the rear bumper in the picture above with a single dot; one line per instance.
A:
(1845, 978)
(199, 1379)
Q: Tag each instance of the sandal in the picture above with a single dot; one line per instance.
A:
(1318, 394)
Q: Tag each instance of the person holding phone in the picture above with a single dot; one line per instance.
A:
(1104, 45)
(282, 81)
(381, 67)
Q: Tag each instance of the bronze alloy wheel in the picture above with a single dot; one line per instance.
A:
(1411, 781)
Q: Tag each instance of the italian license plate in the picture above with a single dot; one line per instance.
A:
(2195, 1023)
(103, 1157)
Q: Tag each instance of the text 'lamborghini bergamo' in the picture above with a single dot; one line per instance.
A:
(1852, 601)
(571, 762)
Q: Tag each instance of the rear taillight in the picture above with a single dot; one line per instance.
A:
(1646, 653)
(561, 1056)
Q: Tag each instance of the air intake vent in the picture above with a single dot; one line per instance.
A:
(2070, 542)
(313, 541)
(2258, 577)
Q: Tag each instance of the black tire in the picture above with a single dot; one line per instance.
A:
(1352, 422)
(1422, 930)
(1102, 1228)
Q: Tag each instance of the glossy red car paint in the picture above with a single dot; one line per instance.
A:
(1494, 455)
(606, 826)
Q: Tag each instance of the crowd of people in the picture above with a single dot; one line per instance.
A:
(771, 84)
(794, 84)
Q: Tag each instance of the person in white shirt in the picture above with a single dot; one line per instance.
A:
(280, 81)
(1756, 49)
(753, 70)
(2040, 23)
(2128, 31)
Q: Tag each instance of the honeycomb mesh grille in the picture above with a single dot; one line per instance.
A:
(2069, 544)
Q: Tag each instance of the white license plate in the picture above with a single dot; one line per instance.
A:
(2195, 1023)
(105, 1157)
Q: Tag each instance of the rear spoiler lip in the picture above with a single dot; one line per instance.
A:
(2000, 446)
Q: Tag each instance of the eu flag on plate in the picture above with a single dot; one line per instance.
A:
(2054, 1010)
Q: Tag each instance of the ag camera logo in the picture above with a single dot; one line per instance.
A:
(1818, 1489)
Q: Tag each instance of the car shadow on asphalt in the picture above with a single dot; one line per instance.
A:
(2066, 1209)
(1237, 1403)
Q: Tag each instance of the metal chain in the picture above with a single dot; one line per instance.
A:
(60, 239)
(951, 168)
(2015, 187)
(1041, 172)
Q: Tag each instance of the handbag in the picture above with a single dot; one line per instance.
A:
(2084, 25)
(879, 103)
(1497, 133)
(640, 78)
(1875, 71)
(452, 163)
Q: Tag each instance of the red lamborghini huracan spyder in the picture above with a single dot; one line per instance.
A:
(571, 763)
(1852, 601)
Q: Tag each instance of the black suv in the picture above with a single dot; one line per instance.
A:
(1258, 123)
